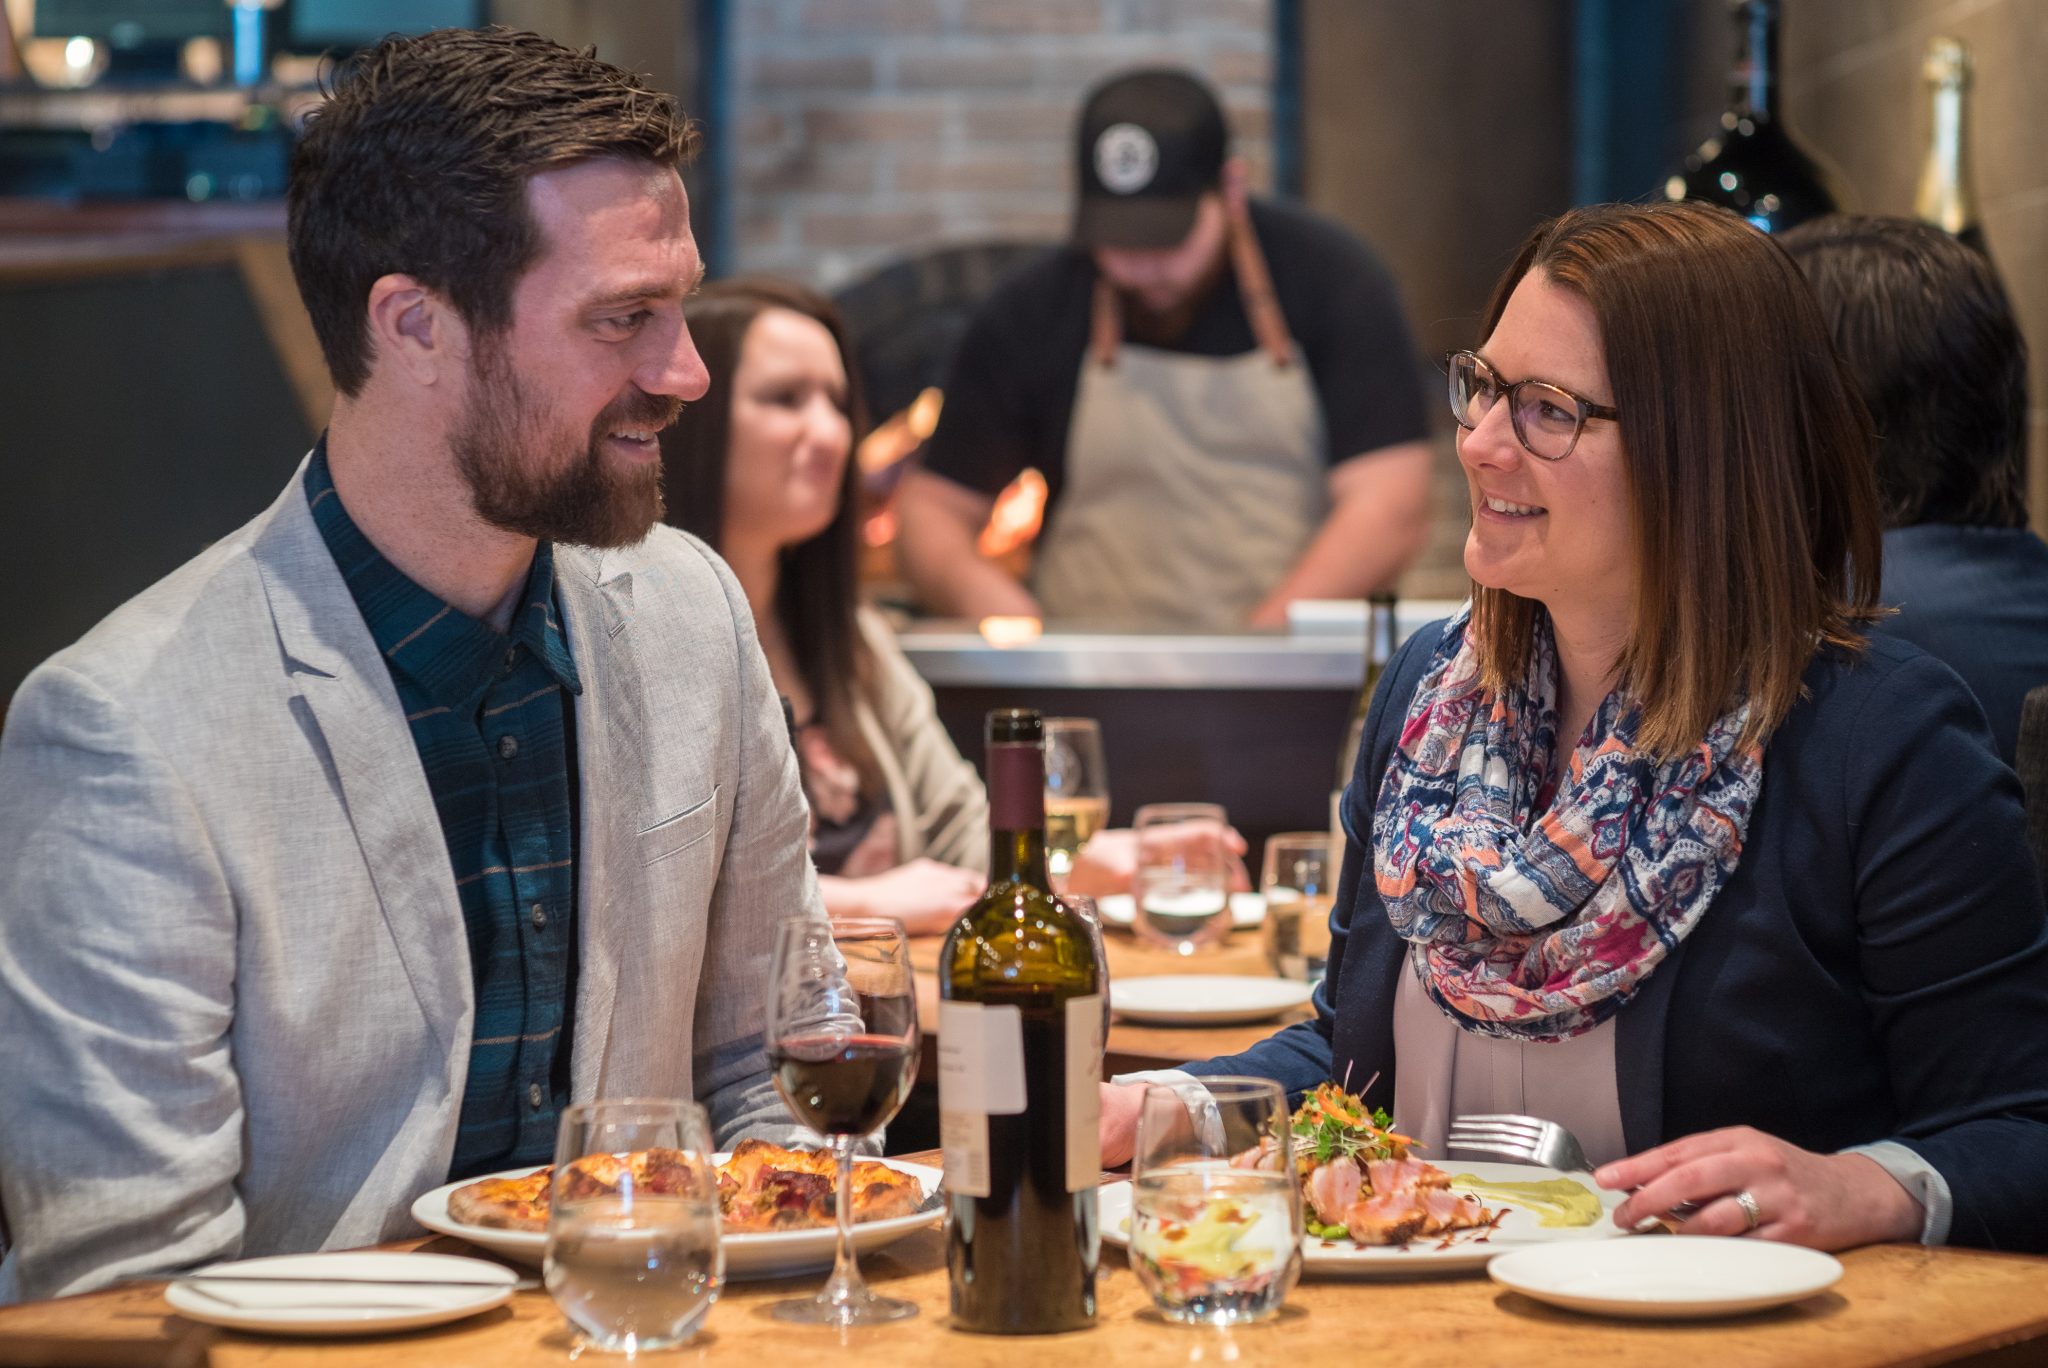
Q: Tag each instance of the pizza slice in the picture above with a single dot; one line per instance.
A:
(504, 1203)
(761, 1188)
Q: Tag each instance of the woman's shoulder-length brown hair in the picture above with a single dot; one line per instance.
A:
(1749, 464)
(818, 594)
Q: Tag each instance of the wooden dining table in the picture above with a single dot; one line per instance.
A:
(1895, 1305)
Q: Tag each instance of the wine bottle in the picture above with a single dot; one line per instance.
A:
(1382, 614)
(1946, 198)
(1753, 166)
(1020, 1048)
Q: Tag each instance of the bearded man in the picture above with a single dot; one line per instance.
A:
(450, 790)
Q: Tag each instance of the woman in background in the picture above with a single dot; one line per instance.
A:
(761, 469)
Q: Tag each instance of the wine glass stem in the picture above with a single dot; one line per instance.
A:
(845, 1284)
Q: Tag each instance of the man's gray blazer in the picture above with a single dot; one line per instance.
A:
(235, 994)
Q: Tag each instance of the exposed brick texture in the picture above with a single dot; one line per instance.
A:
(865, 129)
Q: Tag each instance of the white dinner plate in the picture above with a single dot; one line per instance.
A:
(1205, 999)
(771, 1255)
(1429, 1256)
(1682, 1277)
(319, 1307)
(1120, 909)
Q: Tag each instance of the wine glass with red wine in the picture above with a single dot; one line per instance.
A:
(842, 1040)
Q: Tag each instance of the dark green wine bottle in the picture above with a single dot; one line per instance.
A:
(1020, 1049)
(1753, 165)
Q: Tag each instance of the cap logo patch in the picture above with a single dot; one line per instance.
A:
(1126, 158)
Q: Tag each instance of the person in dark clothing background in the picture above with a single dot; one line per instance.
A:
(1930, 340)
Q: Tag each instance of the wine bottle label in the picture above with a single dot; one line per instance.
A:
(981, 1074)
(1084, 1095)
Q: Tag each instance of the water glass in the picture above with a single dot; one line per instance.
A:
(1300, 887)
(634, 1263)
(1181, 885)
(1076, 791)
(1215, 1204)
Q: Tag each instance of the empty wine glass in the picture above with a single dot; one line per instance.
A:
(633, 1257)
(842, 1040)
(1076, 791)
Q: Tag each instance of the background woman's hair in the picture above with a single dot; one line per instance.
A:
(417, 164)
(1748, 462)
(1928, 335)
(819, 589)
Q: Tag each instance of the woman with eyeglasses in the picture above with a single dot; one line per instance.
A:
(1654, 839)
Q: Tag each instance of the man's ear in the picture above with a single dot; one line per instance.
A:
(414, 328)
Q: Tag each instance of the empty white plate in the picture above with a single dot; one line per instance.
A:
(1676, 1277)
(395, 1292)
(1120, 909)
(1205, 999)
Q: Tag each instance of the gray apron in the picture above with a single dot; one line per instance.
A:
(1193, 483)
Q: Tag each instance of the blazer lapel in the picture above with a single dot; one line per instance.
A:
(351, 703)
(597, 606)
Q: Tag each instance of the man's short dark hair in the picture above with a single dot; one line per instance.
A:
(1928, 335)
(418, 161)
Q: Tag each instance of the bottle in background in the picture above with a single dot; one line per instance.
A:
(1946, 198)
(1020, 1046)
(1753, 166)
(1382, 615)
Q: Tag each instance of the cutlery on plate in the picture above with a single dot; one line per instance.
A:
(1532, 1140)
(519, 1285)
(260, 1307)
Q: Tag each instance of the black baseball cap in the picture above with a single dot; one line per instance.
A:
(1151, 143)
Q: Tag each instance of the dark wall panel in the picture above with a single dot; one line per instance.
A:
(142, 416)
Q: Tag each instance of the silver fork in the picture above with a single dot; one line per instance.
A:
(1531, 1140)
(1520, 1137)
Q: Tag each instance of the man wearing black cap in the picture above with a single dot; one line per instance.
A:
(1218, 436)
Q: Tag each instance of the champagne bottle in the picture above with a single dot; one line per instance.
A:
(1753, 166)
(1382, 614)
(1020, 1048)
(1946, 198)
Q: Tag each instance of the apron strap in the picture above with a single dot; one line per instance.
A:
(1255, 285)
(1105, 324)
(1254, 289)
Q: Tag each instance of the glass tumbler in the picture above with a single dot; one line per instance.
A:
(1215, 1203)
(1300, 888)
(633, 1257)
(1182, 881)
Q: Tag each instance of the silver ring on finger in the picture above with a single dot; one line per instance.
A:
(1752, 1214)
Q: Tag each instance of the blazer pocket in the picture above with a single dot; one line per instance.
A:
(678, 833)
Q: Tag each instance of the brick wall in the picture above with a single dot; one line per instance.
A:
(863, 129)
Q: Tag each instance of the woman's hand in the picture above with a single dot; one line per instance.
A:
(1823, 1201)
(1105, 865)
(1119, 1130)
(926, 896)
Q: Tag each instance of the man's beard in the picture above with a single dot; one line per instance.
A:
(520, 486)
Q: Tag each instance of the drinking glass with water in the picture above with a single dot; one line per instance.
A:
(1216, 1206)
(633, 1257)
(1182, 882)
(1300, 888)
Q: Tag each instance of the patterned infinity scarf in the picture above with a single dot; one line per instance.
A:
(1540, 928)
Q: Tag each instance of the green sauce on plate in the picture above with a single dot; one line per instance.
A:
(1557, 1202)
